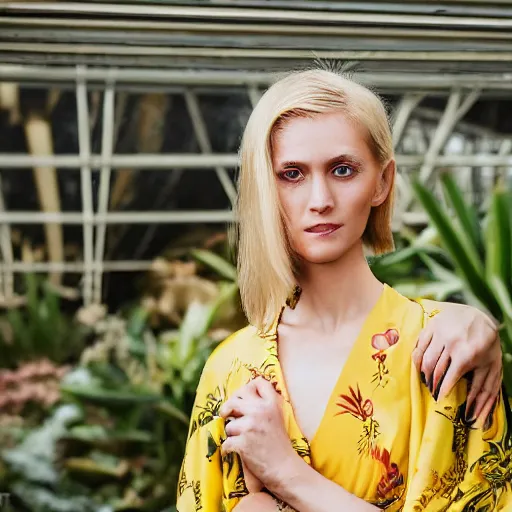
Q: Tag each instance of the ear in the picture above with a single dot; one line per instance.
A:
(385, 182)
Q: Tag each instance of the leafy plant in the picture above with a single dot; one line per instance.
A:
(480, 251)
(40, 328)
(32, 478)
(136, 391)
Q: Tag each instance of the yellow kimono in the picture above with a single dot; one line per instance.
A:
(383, 437)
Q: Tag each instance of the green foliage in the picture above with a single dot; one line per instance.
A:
(418, 267)
(40, 328)
(480, 253)
(136, 402)
(33, 478)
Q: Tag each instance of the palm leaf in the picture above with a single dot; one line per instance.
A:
(466, 215)
(216, 263)
(464, 257)
(499, 240)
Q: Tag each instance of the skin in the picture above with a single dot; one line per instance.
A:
(326, 173)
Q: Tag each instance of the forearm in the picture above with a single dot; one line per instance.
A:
(306, 490)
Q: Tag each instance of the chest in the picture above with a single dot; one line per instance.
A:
(312, 366)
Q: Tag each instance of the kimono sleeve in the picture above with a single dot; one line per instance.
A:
(454, 464)
(200, 485)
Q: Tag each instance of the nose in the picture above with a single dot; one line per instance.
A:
(321, 199)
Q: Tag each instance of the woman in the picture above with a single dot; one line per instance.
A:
(316, 405)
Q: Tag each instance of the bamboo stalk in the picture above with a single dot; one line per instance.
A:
(39, 142)
(10, 101)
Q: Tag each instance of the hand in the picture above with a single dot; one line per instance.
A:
(461, 341)
(251, 482)
(257, 502)
(257, 433)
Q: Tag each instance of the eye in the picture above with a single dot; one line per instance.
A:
(343, 171)
(291, 175)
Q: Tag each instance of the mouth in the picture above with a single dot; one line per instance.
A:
(323, 229)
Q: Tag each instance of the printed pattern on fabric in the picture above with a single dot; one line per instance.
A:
(406, 452)
(492, 470)
(391, 486)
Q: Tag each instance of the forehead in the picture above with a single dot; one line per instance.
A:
(319, 137)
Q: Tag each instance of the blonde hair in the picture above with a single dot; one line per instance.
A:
(265, 259)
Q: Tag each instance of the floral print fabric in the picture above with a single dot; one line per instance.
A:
(382, 437)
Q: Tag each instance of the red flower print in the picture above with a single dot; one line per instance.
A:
(381, 342)
(384, 341)
(392, 477)
(355, 406)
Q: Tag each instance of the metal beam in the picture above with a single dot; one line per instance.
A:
(165, 217)
(456, 107)
(203, 140)
(84, 145)
(206, 12)
(191, 162)
(104, 193)
(170, 77)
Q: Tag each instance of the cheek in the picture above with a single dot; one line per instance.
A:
(357, 200)
(290, 203)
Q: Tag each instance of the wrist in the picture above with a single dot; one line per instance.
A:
(288, 477)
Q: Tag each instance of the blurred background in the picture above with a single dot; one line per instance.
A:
(119, 130)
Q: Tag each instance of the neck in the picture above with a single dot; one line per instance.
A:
(333, 293)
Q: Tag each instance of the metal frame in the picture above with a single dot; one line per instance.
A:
(462, 92)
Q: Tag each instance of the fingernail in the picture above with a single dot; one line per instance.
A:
(423, 379)
(470, 412)
(490, 416)
(469, 377)
(436, 393)
(439, 384)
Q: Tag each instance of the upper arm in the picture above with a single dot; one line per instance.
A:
(200, 479)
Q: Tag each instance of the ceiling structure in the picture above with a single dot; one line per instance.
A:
(445, 69)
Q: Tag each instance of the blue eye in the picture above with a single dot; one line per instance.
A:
(292, 174)
(343, 171)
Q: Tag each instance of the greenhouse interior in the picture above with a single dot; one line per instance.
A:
(120, 125)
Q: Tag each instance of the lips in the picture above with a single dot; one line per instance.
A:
(323, 228)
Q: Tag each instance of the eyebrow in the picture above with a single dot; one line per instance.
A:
(346, 158)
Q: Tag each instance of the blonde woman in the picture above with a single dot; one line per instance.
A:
(317, 405)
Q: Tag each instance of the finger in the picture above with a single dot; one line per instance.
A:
(235, 407)
(430, 359)
(486, 398)
(440, 371)
(489, 416)
(237, 426)
(476, 385)
(252, 483)
(422, 344)
(264, 389)
(484, 394)
(459, 366)
(231, 445)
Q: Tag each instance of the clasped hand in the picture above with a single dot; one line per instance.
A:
(255, 430)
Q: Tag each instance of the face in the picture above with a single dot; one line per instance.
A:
(327, 180)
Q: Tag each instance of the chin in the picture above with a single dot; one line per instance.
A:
(322, 256)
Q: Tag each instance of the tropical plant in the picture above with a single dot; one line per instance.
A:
(40, 328)
(480, 251)
(136, 391)
(415, 268)
(29, 474)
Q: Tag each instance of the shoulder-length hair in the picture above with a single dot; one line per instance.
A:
(265, 260)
